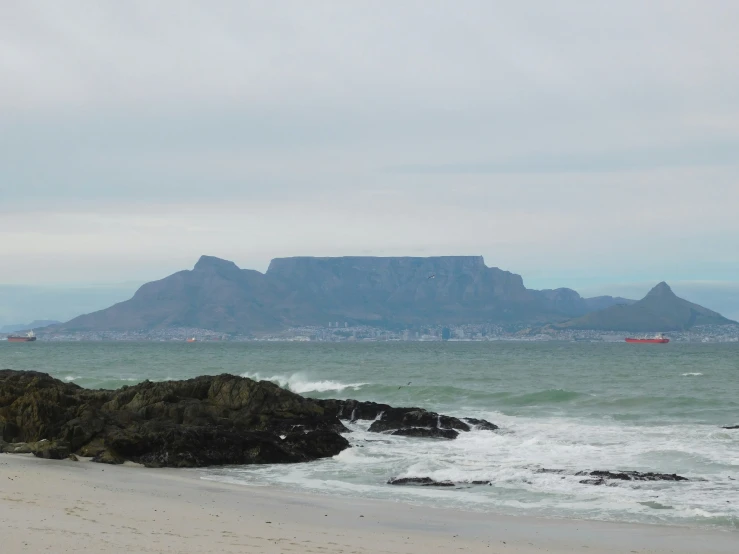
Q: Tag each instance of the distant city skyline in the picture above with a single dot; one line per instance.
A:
(587, 145)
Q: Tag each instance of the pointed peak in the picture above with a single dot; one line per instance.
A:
(211, 262)
(662, 289)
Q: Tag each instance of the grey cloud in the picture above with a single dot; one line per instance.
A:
(501, 128)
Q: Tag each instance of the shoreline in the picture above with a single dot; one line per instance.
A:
(56, 506)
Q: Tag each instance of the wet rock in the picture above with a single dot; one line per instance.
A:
(353, 410)
(209, 420)
(51, 450)
(391, 418)
(602, 477)
(107, 456)
(93, 448)
(73, 458)
(420, 481)
(385, 418)
(481, 424)
(731, 427)
(423, 432)
(402, 418)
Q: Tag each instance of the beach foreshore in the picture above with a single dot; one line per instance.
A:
(67, 506)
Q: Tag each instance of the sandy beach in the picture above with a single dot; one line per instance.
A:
(66, 506)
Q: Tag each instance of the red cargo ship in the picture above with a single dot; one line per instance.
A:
(659, 339)
(28, 337)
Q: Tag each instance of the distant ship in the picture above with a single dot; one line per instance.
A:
(28, 337)
(657, 339)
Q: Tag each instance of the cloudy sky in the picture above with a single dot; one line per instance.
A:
(585, 144)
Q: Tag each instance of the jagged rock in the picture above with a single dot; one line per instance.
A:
(421, 481)
(602, 477)
(209, 420)
(391, 418)
(107, 456)
(731, 427)
(353, 410)
(403, 421)
(400, 418)
(93, 448)
(481, 424)
(73, 458)
(432, 433)
(51, 450)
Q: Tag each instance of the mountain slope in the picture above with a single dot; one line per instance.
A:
(389, 292)
(659, 310)
(215, 295)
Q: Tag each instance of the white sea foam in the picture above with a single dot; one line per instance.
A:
(692, 374)
(70, 378)
(512, 462)
(301, 384)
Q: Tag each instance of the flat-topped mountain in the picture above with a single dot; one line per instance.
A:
(379, 291)
(660, 310)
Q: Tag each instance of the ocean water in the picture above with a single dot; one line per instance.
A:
(565, 406)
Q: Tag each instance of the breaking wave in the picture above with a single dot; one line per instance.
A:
(300, 384)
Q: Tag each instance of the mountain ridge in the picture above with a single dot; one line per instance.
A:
(381, 291)
(660, 310)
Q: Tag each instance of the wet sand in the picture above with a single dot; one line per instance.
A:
(66, 506)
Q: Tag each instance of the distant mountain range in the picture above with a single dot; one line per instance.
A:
(27, 326)
(660, 310)
(391, 292)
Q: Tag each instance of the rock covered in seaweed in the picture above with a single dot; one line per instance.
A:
(209, 420)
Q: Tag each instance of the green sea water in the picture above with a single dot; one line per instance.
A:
(567, 406)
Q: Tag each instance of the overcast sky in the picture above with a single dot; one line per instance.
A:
(586, 144)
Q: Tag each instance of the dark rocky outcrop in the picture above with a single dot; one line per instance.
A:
(481, 424)
(602, 477)
(51, 450)
(353, 410)
(401, 418)
(426, 433)
(420, 481)
(731, 427)
(597, 478)
(415, 422)
(210, 420)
